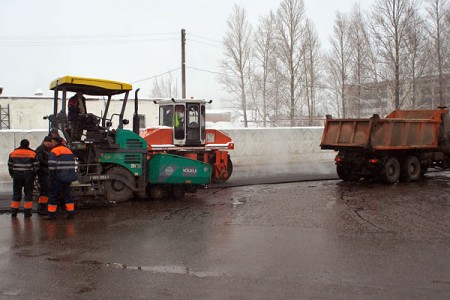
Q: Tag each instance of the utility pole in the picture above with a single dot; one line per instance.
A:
(183, 64)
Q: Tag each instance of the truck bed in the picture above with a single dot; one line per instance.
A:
(400, 130)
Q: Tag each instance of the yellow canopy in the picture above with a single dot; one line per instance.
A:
(90, 86)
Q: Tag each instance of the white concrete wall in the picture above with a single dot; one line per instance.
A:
(10, 139)
(276, 145)
(252, 146)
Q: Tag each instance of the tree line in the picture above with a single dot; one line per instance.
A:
(279, 74)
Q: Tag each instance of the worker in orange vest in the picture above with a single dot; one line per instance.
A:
(42, 153)
(61, 166)
(23, 165)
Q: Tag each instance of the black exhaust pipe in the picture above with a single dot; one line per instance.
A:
(136, 115)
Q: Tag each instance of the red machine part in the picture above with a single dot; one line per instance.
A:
(214, 152)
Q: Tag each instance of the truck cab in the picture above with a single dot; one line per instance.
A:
(187, 118)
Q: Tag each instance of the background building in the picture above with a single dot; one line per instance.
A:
(376, 98)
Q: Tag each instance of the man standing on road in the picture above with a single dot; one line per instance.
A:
(61, 165)
(42, 153)
(23, 165)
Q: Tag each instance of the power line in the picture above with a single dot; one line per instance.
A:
(206, 44)
(176, 69)
(34, 37)
(107, 39)
(207, 71)
(85, 39)
(205, 38)
(85, 43)
(73, 40)
(155, 76)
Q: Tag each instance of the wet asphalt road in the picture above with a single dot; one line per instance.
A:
(321, 239)
(247, 175)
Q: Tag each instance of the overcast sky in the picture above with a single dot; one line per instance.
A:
(131, 41)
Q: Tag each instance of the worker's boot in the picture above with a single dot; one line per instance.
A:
(27, 213)
(14, 212)
(42, 209)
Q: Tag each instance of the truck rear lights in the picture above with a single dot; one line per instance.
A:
(374, 161)
(339, 159)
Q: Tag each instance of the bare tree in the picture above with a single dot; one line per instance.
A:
(290, 18)
(332, 89)
(278, 91)
(237, 63)
(311, 68)
(339, 58)
(389, 23)
(436, 10)
(417, 46)
(165, 87)
(359, 41)
(264, 48)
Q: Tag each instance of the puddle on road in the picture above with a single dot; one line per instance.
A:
(238, 201)
(171, 269)
(12, 293)
(176, 270)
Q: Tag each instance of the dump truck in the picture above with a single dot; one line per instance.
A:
(402, 146)
(114, 163)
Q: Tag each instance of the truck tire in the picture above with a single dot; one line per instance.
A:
(346, 175)
(411, 169)
(391, 171)
(115, 190)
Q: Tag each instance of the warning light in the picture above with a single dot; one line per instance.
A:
(339, 159)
